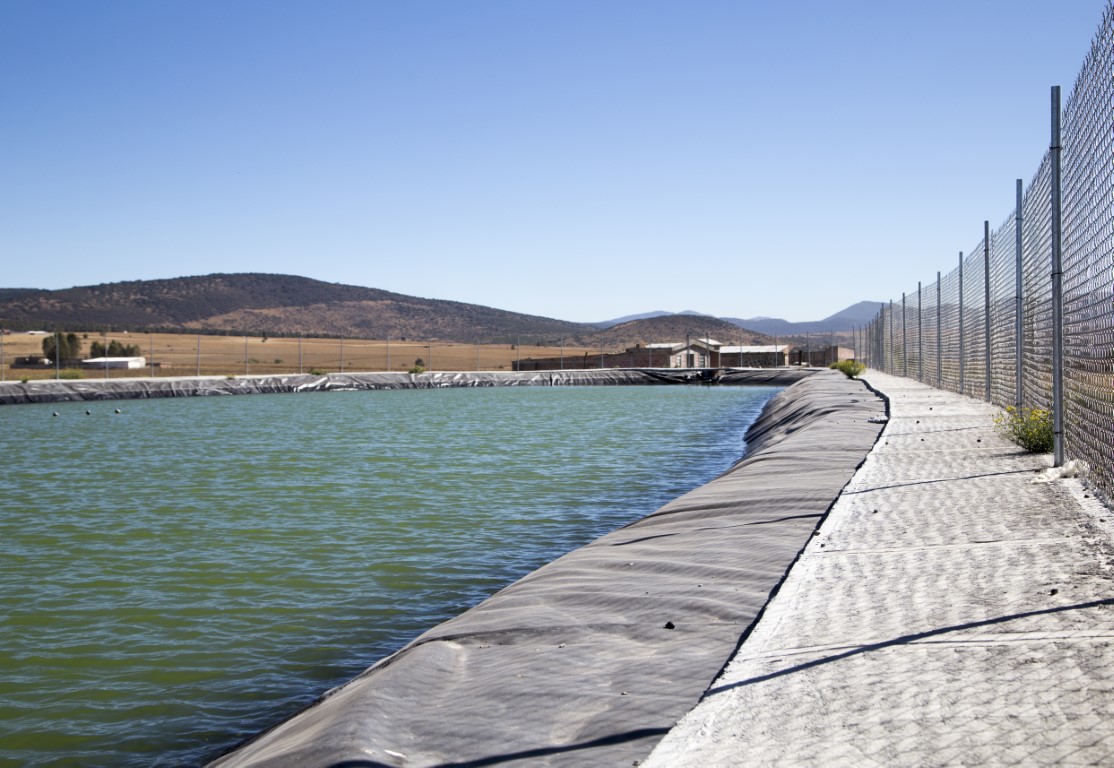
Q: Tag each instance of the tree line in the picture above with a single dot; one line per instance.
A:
(68, 347)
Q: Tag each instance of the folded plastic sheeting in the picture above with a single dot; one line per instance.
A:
(52, 391)
(592, 658)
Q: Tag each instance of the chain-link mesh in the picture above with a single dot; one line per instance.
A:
(903, 339)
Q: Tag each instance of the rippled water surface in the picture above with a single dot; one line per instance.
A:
(178, 576)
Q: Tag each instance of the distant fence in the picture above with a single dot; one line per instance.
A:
(985, 329)
(166, 354)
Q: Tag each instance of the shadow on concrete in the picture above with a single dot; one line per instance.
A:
(904, 640)
(938, 480)
(603, 741)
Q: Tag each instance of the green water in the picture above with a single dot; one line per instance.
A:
(183, 574)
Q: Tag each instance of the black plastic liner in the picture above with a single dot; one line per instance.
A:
(591, 659)
(54, 391)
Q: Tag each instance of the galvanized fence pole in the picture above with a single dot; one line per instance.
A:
(880, 338)
(939, 338)
(199, 355)
(891, 370)
(868, 343)
(880, 333)
(1057, 290)
(905, 343)
(1018, 375)
(986, 300)
(961, 345)
(920, 337)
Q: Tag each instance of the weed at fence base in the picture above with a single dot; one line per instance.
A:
(1031, 428)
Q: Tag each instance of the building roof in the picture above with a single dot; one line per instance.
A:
(754, 350)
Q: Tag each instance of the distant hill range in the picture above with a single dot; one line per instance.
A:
(844, 320)
(286, 305)
(665, 328)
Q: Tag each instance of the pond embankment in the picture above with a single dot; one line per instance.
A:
(56, 391)
(955, 608)
(592, 658)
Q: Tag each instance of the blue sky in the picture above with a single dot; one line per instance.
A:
(573, 159)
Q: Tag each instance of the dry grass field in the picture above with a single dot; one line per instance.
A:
(171, 354)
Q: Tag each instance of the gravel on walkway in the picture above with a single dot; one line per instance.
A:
(949, 611)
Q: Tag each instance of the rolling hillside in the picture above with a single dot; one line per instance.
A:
(276, 305)
(285, 305)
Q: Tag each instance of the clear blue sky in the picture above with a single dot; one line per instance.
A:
(579, 159)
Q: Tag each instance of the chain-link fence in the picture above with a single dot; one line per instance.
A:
(23, 355)
(961, 331)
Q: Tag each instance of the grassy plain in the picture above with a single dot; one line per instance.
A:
(173, 354)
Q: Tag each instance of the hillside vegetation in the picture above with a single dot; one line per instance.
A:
(275, 305)
(254, 304)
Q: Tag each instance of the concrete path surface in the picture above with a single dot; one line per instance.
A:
(949, 611)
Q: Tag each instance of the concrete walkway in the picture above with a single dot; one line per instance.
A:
(949, 611)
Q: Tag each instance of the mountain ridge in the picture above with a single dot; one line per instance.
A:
(253, 303)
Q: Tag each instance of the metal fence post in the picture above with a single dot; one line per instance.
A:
(1057, 291)
(939, 339)
(920, 337)
(961, 349)
(1019, 376)
(892, 369)
(904, 341)
(879, 358)
(986, 299)
(880, 338)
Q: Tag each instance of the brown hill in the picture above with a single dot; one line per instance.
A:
(275, 305)
(672, 328)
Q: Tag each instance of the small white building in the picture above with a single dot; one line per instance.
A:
(698, 353)
(115, 363)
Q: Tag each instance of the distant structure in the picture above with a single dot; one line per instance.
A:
(694, 353)
(115, 363)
